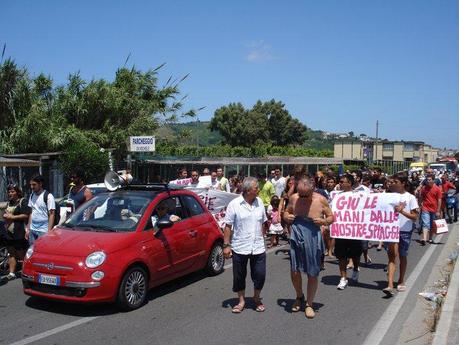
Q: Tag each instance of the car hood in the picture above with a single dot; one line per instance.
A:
(81, 243)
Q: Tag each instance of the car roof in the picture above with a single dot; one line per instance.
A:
(96, 185)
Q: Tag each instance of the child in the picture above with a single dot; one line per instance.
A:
(275, 229)
(408, 211)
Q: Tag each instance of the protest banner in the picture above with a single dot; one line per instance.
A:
(366, 216)
(181, 182)
(216, 201)
(204, 182)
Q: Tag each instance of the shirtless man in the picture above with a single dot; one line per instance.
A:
(307, 211)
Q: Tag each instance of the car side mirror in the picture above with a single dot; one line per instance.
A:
(164, 224)
(161, 225)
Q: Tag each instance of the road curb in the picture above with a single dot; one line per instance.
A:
(414, 330)
(449, 313)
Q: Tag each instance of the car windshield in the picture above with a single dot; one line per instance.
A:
(110, 212)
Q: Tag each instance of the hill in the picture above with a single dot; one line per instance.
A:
(198, 133)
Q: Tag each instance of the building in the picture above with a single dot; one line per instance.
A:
(385, 152)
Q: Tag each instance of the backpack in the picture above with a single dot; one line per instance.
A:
(57, 211)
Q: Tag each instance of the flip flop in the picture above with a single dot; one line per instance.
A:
(237, 309)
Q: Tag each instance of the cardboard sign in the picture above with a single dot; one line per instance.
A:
(365, 216)
(441, 226)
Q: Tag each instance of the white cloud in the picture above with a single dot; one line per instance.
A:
(259, 51)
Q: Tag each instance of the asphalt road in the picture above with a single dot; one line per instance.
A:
(196, 309)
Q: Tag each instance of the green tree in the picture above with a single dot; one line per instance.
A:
(283, 128)
(266, 123)
(238, 126)
(37, 116)
(87, 156)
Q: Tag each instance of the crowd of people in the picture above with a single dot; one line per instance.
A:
(295, 207)
(299, 205)
(28, 218)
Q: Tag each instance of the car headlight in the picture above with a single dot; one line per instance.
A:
(95, 259)
(29, 252)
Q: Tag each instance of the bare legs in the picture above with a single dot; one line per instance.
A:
(241, 296)
(403, 264)
(342, 268)
(392, 254)
(15, 254)
(311, 287)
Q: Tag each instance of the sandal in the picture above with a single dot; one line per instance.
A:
(259, 306)
(401, 288)
(237, 309)
(309, 312)
(297, 304)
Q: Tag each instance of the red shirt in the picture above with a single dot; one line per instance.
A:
(446, 185)
(430, 197)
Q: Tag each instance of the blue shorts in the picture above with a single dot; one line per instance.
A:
(404, 243)
(427, 219)
(35, 235)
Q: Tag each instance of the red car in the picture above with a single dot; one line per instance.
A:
(118, 245)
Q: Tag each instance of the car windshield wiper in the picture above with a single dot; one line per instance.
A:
(68, 225)
(96, 227)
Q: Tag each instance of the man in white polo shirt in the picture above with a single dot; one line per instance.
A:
(245, 219)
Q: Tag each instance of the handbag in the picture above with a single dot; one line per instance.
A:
(441, 226)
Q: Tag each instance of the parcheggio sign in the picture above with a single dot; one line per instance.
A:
(142, 144)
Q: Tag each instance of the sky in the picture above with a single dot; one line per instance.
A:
(338, 66)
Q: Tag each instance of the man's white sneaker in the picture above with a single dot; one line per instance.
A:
(355, 276)
(342, 284)
(11, 276)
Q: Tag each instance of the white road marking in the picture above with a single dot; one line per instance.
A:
(89, 319)
(376, 336)
(54, 331)
(270, 250)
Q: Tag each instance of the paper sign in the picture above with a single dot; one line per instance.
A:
(364, 216)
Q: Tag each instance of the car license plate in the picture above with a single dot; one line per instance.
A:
(49, 280)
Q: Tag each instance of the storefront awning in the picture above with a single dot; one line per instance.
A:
(17, 162)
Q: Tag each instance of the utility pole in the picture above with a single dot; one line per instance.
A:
(377, 137)
(197, 134)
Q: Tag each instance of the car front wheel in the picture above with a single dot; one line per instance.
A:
(216, 260)
(133, 289)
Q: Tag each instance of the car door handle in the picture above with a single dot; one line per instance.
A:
(193, 233)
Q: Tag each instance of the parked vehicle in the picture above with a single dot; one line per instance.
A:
(418, 166)
(110, 251)
(438, 166)
(451, 163)
(451, 206)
